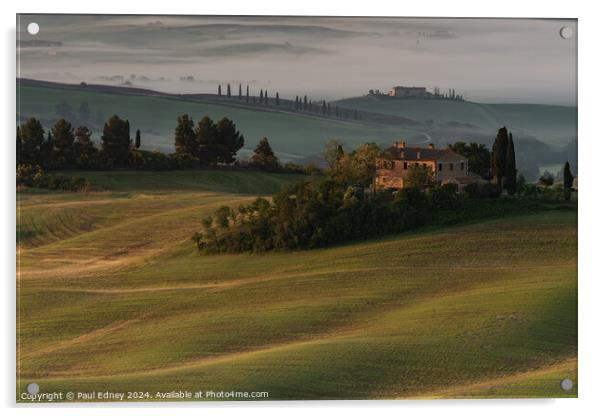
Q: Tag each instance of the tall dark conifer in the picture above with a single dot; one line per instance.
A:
(277, 98)
(137, 139)
(499, 156)
(219, 90)
(240, 91)
(510, 167)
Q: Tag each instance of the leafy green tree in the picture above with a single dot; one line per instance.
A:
(333, 152)
(358, 167)
(510, 167)
(229, 141)
(63, 134)
(116, 143)
(478, 156)
(32, 139)
(85, 152)
(547, 179)
(264, 156)
(420, 177)
(184, 137)
(207, 142)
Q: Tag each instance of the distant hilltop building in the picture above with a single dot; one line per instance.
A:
(447, 166)
(417, 92)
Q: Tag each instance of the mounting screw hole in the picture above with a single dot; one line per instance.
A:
(33, 28)
(33, 388)
(566, 384)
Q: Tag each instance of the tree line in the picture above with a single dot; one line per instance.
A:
(301, 103)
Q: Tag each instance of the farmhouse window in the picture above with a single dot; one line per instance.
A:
(451, 166)
(440, 167)
(462, 166)
(405, 165)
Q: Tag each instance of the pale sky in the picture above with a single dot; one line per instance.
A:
(487, 60)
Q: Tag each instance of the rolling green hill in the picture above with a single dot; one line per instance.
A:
(556, 125)
(292, 135)
(111, 295)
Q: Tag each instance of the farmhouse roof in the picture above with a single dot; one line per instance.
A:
(419, 153)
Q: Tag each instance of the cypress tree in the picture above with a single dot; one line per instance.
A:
(19, 145)
(137, 139)
(228, 91)
(323, 107)
(247, 93)
(568, 178)
(510, 167)
(265, 97)
(305, 102)
(261, 96)
(498, 157)
(219, 90)
(240, 91)
(277, 98)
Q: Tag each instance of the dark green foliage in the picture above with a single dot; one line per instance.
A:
(264, 157)
(32, 140)
(240, 91)
(229, 141)
(547, 179)
(63, 138)
(85, 152)
(478, 190)
(277, 98)
(184, 137)
(499, 157)
(418, 176)
(478, 156)
(206, 142)
(137, 144)
(567, 176)
(116, 143)
(358, 167)
(510, 167)
(34, 177)
(320, 213)
(219, 90)
(247, 95)
(228, 91)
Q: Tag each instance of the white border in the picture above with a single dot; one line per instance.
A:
(590, 191)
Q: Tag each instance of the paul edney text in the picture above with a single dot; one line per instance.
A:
(142, 395)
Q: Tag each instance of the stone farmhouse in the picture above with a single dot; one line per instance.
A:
(448, 166)
(417, 92)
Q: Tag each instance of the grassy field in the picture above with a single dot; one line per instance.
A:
(112, 296)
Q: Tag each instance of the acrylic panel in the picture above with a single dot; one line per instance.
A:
(295, 208)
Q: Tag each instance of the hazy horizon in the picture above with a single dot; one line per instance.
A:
(486, 60)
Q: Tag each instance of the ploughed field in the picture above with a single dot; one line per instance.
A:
(112, 296)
